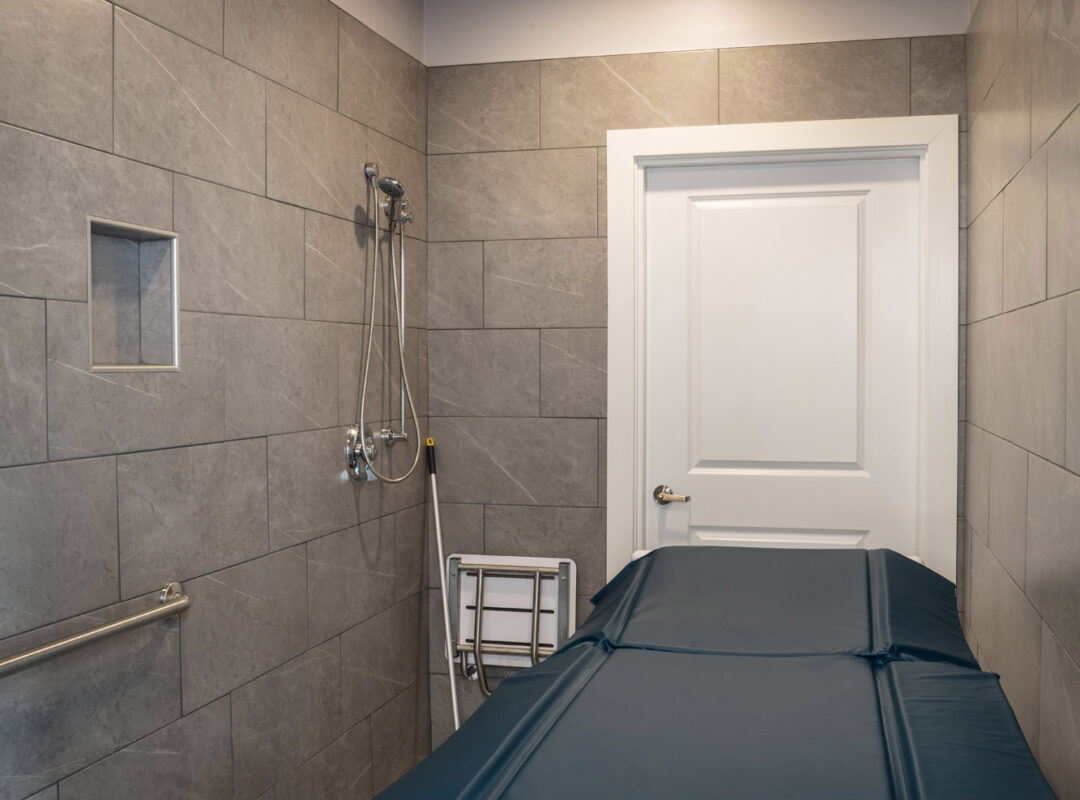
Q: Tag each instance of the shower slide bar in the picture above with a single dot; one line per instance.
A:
(171, 601)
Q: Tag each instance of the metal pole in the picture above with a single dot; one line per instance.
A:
(442, 582)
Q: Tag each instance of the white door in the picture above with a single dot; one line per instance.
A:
(781, 356)
(782, 336)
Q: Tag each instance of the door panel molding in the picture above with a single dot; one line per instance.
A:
(933, 141)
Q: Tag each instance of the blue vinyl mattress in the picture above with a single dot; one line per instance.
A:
(748, 673)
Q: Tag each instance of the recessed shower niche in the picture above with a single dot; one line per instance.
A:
(133, 297)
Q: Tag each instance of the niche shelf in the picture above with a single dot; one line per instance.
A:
(133, 303)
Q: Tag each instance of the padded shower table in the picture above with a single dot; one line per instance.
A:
(714, 672)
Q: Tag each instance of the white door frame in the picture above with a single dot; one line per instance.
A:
(934, 140)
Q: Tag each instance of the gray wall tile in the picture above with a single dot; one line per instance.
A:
(342, 770)
(284, 717)
(310, 495)
(482, 107)
(1008, 507)
(381, 399)
(584, 607)
(46, 794)
(416, 282)
(302, 357)
(409, 166)
(436, 632)
(244, 620)
(551, 532)
(380, 658)
(1016, 377)
(1008, 629)
(1059, 720)
(573, 373)
(312, 155)
(984, 274)
(156, 288)
(396, 462)
(1063, 199)
(937, 76)
(512, 195)
(1052, 39)
(990, 38)
(1024, 9)
(999, 137)
(22, 381)
(422, 367)
(463, 532)
(37, 587)
(601, 462)
(456, 285)
(469, 699)
(484, 373)
(1053, 549)
(115, 294)
(409, 554)
(504, 460)
(383, 396)
(293, 42)
(1024, 268)
(56, 68)
(833, 80)
(400, 735)
(556, 283)
(964, 218)
(239, 254)
(416, 279)
(350, 578)
(183, 108)
(582, 98)
(110, 412)
(198, 20)
(191, 757)
(380, 85)
(1072, 389)
(977, 481)
(601, 191)
(212, 117)
(336, 276)
(49, 188)
(54, 724)
(188, 511)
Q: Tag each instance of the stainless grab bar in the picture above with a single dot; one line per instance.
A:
(172, 601)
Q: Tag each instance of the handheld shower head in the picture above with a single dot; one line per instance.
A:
(391, 187)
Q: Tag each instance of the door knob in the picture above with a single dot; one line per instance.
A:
(663, 495)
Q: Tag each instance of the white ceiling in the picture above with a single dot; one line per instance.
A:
(442, 32)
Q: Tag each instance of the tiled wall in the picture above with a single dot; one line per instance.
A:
(517, 285)
(298, 671)
(1023, 445)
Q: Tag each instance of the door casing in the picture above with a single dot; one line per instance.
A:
(934, 141)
